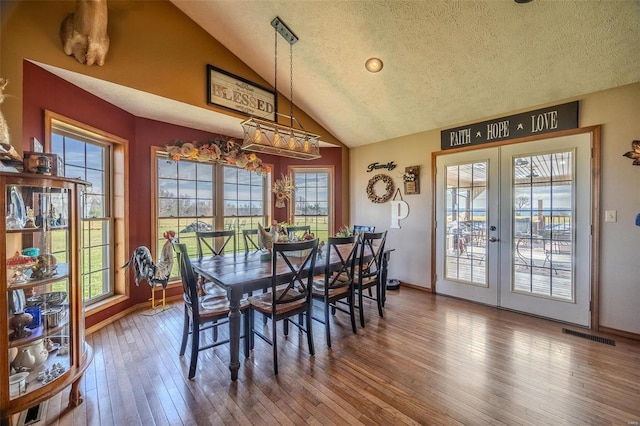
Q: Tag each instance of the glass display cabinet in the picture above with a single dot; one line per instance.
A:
(43, 349)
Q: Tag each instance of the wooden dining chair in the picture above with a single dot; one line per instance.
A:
(299, 231)
(335, 287)
(215, 241)
(368, 271)
(250, 237)
(203, 312)
(363, 228)
(290, 297)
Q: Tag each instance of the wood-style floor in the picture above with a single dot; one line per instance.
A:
(431, 360)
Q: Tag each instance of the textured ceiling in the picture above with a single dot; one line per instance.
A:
(445, 62)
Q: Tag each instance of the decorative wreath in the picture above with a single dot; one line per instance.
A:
(388, 189)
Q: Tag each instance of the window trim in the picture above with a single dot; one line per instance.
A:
(119, 194)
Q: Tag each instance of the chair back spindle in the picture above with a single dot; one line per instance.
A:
(214, 241)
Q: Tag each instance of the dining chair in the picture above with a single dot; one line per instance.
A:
(363, 228)
(203, 312)
(335, 287)
(299, 230)
(368, 271)
(250, 237)
(215, 241)
(290, 297)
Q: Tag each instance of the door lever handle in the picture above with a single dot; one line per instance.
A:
(493, 239)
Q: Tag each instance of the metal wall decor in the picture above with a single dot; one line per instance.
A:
(634, 154)
(388, 182)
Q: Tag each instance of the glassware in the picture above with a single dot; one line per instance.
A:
(12, 220)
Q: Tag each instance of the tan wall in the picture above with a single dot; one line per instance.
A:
(617, 110)
(154, 48)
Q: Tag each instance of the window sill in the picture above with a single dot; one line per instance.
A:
(104, 304)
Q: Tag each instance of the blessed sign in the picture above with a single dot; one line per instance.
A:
(545, 120)
(238, 94)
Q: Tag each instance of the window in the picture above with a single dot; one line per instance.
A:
(90, 155)
(245, 195)
(187, 194)
(313, 201)
(185, 201)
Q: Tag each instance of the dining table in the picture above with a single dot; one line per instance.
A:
(244, 273)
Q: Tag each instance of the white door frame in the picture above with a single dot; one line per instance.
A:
(595, 132)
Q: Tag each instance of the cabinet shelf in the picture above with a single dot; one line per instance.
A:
(63, 273)
(35, 230)
(32, 379)
(38, 333)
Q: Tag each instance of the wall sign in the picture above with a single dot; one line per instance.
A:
(237, 94)
(545, 120)
(377, 166)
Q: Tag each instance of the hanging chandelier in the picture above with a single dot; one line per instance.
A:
(278, 139)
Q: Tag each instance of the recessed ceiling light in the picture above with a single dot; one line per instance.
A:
(373, 64)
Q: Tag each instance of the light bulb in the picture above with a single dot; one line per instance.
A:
(257, 136)
(292, 142)
(306, 146)
(277, 140)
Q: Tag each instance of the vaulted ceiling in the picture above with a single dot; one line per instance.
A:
(445, 62)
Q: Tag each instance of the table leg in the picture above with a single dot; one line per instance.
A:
(234, 334)
(383, 276)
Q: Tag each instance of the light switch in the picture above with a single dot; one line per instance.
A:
(611, 216)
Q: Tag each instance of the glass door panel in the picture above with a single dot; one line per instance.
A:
(466, 223)
(543, 192)
(466, 232)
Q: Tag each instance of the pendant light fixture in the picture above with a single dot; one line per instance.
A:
(278, 139)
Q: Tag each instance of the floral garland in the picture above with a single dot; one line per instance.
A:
(217, 150)
(388, 189)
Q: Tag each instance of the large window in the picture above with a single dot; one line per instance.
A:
(313, 202)
(188, 195)
(90, 155)
(185, 201)
(245, 195)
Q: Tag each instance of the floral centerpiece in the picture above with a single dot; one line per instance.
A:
(344, 231)
(217, 150)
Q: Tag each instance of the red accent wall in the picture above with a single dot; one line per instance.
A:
(45, 91)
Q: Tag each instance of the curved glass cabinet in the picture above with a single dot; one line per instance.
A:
(43, 348)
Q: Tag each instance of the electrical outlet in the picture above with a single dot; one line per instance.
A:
(611, 216)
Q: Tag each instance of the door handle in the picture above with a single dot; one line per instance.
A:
(493, 239)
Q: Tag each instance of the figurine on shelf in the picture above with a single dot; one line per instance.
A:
(44, 267)
(31, 219)
(53, 219)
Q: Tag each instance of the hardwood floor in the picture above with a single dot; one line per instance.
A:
(431, 360)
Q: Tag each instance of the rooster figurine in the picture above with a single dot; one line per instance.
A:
(635, 154)
(154, 273)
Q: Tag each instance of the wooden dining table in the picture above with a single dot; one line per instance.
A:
(243, 273)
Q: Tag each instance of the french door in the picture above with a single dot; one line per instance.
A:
(514, 227)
